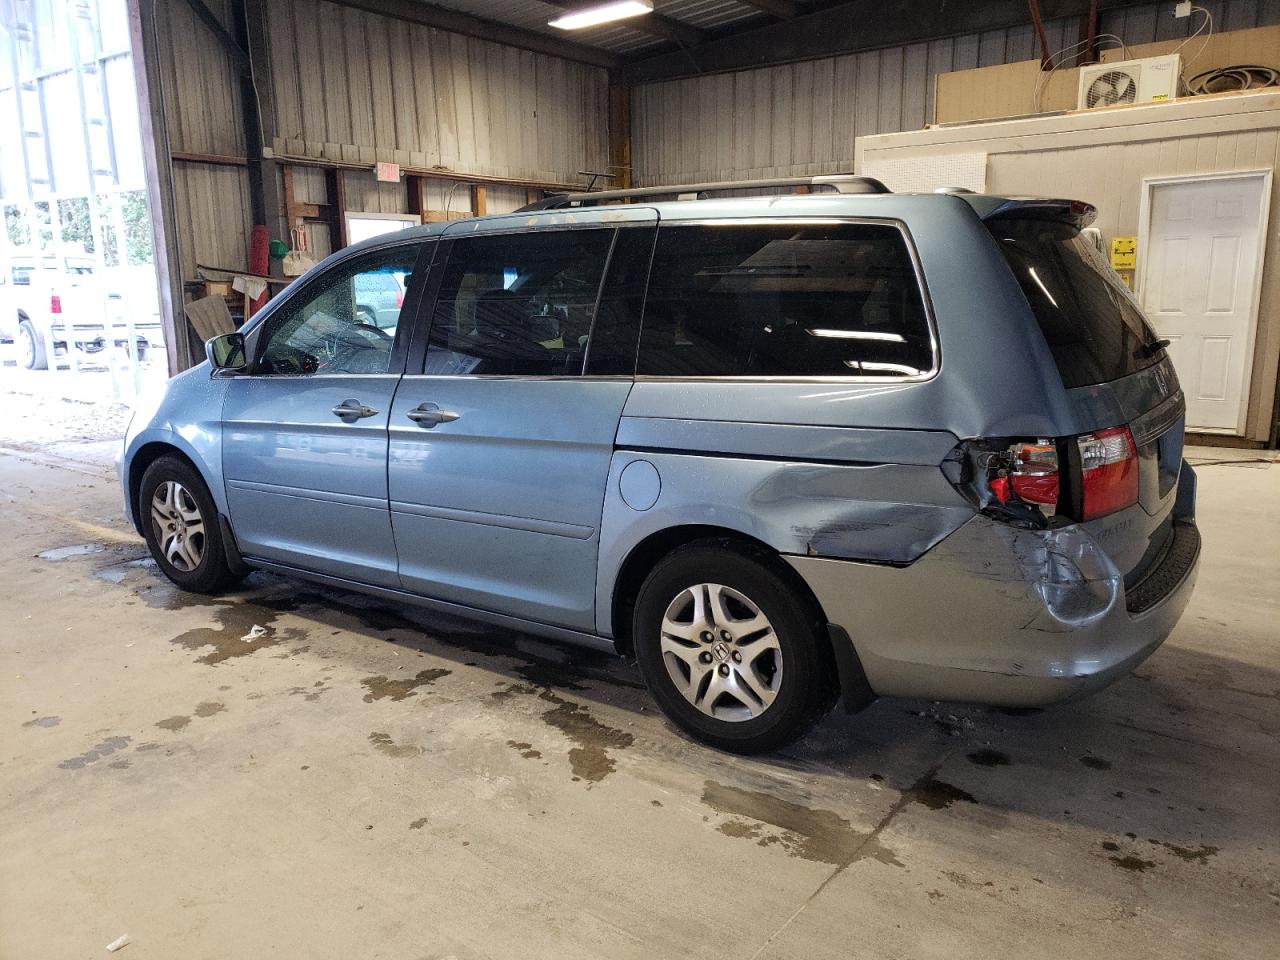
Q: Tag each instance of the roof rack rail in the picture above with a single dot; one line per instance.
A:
(837, 182)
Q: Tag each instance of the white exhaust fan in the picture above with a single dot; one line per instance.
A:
(1129, 82)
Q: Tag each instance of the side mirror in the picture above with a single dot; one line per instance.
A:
(227, 352)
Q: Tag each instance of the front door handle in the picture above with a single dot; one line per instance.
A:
(429, 414)
(349, 411)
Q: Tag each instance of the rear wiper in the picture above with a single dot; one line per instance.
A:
(1154, 347)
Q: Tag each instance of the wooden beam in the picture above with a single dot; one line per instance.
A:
(1037, 21)
(455, 21)
(479, 199)
(416, 201)
(620, 136)
(296, 212)
(213, 159)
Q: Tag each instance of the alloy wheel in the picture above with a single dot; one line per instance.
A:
(721, 652)
(28, 347)
(178, 525)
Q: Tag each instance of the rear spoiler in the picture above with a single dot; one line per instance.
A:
(1075, 213)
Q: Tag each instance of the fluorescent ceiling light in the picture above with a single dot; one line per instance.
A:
(602, 13)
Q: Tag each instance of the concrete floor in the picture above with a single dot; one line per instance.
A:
(370, 782)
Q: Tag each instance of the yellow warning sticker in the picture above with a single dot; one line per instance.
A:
(1124, 253)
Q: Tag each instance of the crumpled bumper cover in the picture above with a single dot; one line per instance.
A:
(1001, 615)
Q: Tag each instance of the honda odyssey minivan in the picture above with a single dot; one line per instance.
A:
(780, 449)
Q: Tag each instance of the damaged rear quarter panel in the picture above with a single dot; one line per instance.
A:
(877, 512)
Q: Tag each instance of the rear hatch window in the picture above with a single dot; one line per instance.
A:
(1092, 323)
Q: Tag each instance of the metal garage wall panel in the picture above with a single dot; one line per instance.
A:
(800, 119)
(357, 87)
(201, 89)
(213, 215)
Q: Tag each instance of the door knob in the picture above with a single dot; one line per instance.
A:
(350, 411)
(429, 414)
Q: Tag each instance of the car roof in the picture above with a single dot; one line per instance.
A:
(892, 206)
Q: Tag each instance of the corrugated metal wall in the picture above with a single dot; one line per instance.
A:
(802, 118)
(358, 87)
(355, 87)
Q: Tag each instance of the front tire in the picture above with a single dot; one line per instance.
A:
(180, 522)
(733, 652)
(34, 356)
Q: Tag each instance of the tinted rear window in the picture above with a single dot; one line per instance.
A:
(1094, 327)
(831, 300)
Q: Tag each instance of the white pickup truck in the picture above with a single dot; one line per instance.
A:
(44, 296)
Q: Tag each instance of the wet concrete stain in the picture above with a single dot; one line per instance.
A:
(43, 722)
(989, 758)
(381, 687)
(401, 751)
(418, 824)
(236, 621)
(1199, 854)
(1095, 763)
(590, 759)
(117, 572)
(742, 829)
(937, 795)
(75, 550)
(510, 691)
(525, 750)
(1130, 862)
(206, 708)
(966, 882)
(119, 764)
(312, 693)
(104, 749)
(821, 836)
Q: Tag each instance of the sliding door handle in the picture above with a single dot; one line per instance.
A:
(429, 414)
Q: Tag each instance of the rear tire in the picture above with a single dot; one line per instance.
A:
(764, 677)
(33, 349)
(180, 523)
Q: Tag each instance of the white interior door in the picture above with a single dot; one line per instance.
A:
(1200, 288)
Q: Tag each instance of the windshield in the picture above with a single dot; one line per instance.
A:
(1093, 325)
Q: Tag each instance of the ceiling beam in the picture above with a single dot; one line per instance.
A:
(782, 9)
(654, 24)
(845, 28)
(464, 23)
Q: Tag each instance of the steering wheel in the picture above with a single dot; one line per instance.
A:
(378, 330)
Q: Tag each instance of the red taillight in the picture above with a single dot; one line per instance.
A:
(1029, 473)
(55, 303)
(1109, 468)
(1032, 476)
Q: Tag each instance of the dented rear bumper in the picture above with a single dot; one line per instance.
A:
(1002, 615)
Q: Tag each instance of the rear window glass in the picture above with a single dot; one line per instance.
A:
(1092, 323)
(730, 300)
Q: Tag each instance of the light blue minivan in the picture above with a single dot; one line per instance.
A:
(781, 449)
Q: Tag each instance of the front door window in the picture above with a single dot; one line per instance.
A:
(344, 322)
